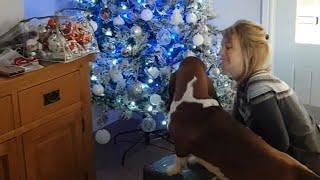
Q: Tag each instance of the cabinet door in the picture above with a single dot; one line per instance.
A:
(53, 151)
(9, 162)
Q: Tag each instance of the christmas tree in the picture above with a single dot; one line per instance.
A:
(142, 42)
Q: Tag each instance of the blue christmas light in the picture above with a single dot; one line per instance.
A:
(164, 122)
(136, 52)
(124, 7)
(144, 86)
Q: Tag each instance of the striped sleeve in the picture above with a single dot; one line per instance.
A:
(263, 87)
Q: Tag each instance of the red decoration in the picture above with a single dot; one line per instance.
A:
(67, 28)
(22, 60)
(84, 38)
(52, 23)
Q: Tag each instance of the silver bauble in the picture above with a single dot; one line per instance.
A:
(148, 124)
(155, 99)
(136, 30)
(102, 136)
(164, 37)
(216, 71)
(135, 90)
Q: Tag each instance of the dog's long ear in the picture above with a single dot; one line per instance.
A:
(172, 86)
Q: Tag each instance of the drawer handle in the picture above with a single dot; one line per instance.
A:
(51, 97)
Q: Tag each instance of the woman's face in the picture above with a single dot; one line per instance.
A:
(232, 57)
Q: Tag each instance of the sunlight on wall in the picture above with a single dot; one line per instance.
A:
(307, 22)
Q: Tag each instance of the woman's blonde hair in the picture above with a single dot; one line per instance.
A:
(254, 45)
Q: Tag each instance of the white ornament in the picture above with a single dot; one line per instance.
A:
(102, 136)
(94, 25)
(155, 99)
(216, 71)
(176, 17)
(189, 53)
(191, 18)
(205, 29)
(118, 21)
(198, 39)
(148, 124)
(136, 30)
(207, 40)
(146, 14)
(153, 72)
(98, 90)
(115, 75)
(108, 32)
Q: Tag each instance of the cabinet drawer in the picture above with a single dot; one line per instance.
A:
(6, 115)
(41, 100)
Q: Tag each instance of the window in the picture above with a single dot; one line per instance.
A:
(308, 22)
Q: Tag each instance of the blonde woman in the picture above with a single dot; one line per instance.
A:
(264, 103)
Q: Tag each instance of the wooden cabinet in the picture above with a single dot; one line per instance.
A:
(59, 145)
(6, 123)
(9, 161)
(45, 124)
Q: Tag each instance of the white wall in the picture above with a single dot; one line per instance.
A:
(297, 64)
(284, 40)
(230, 11)
(11, 12)
(36, 8)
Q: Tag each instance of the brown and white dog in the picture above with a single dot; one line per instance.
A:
(200, 127)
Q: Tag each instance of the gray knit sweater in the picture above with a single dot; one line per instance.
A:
(270, 108)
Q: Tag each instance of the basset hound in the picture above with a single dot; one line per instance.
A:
(200, 127)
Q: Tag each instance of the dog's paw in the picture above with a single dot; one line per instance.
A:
(192, 160)
(173, 170)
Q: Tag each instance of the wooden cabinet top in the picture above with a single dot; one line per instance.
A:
(49, 72)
